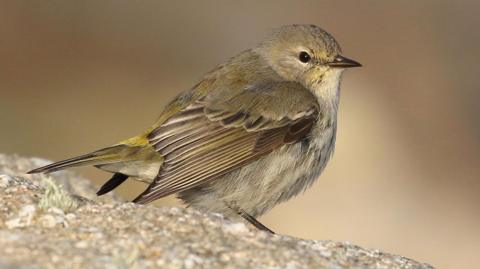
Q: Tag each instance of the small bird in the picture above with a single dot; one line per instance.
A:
(254, 132)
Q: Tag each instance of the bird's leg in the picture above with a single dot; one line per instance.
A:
(255, 222)
(251, 219)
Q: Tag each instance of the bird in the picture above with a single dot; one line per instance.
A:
(254, 132)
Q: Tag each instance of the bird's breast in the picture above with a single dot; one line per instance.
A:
(309, 158)
(282, 174)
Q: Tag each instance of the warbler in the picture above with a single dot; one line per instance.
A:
(254, 132)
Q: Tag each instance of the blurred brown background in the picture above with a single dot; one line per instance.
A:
(405, 178)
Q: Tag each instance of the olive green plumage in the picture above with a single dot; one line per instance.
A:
(253, 132)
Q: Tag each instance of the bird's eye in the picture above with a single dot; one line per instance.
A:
(304, 57)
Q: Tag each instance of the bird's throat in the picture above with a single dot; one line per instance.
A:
(327, 91)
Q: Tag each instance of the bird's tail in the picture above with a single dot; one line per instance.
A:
(116, 153)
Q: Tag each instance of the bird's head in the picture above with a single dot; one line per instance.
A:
(305, 54)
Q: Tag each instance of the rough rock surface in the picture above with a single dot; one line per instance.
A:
(45, 226)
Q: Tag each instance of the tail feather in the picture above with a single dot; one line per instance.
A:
(99, 157)
(76, 161)
(115, 181)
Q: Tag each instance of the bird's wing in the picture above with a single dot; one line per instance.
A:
(214, 136)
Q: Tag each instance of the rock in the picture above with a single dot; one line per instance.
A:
(109, 234)
(24, 217)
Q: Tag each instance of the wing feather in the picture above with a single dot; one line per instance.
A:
(208, 139)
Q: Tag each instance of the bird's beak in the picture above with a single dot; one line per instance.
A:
(343, 62)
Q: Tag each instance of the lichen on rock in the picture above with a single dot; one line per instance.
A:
(56, 197)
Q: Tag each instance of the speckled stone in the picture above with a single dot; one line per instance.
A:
(110, 234)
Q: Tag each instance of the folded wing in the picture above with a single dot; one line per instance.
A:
(213, 136)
